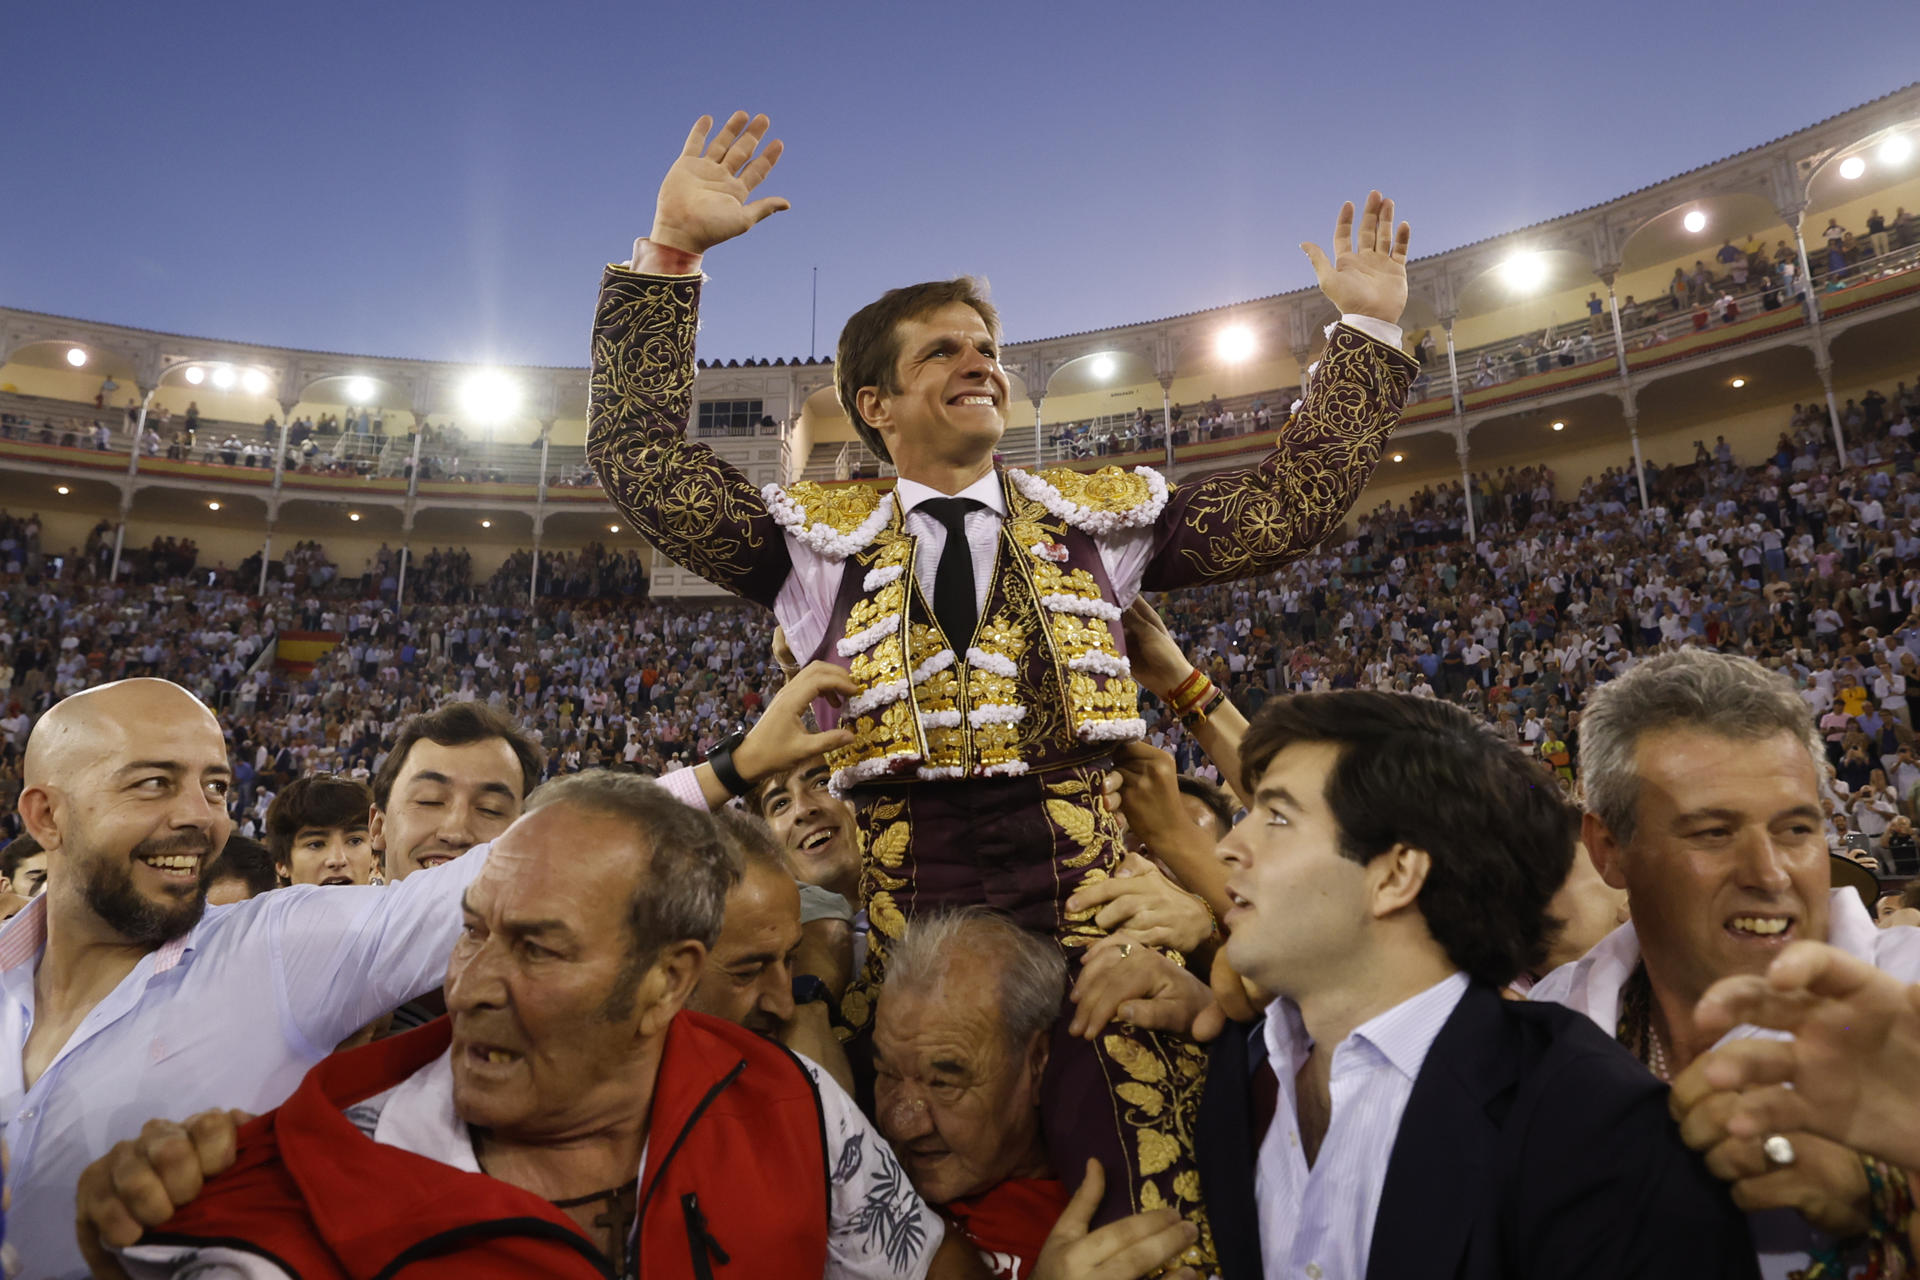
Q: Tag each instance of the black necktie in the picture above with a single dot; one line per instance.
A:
(953, 604)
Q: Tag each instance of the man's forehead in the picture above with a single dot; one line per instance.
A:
(488, 761)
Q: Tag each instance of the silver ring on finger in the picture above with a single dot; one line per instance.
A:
(1778, 1149)
(1126, 949)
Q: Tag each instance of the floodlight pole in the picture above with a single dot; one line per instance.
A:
(1459, 426)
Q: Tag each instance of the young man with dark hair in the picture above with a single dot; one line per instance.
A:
(1391, 876)
(454, 778)
(975, 609)
(243, 870)
(23, 864)
(317, 831)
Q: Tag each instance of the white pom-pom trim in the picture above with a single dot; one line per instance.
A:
(1085, 606)
(1006, 769)
(883, 694)
(940, 720)
(1086, 518)
(934, 773)
(997, 713)
(879, 766)
(992, 663)
(1113, 730)
(860, 642)
(821, 536)
(885, 575)
(933, 666)
(1104, 664)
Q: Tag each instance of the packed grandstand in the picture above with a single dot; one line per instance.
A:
(1649, 420)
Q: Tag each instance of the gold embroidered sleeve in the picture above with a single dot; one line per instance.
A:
(677, 493)
(1254, 520)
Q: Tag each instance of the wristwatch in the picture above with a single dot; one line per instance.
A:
(721, 758)
(808, 988)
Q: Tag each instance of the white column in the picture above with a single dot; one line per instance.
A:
(1166, 420)
(539, 514)
(1466, 484)
(1038, 444)
(1639, 463)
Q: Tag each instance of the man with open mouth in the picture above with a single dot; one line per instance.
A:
(1704, 780)
(976, 609)
(317, 831)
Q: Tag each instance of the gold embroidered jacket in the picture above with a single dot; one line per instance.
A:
(705, 515)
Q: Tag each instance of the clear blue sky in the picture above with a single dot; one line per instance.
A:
(445, 180)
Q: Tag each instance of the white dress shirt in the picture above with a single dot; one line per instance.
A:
(1591, 985)
(804, 606)
(871, 1232)
(230, 1014)
(1317, 1224)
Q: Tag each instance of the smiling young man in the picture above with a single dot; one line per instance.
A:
(1391, 876)
(975, 609)
(1704, 780)
(454, 778)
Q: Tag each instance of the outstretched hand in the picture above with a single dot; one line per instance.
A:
(1367, 278)
(704, 197)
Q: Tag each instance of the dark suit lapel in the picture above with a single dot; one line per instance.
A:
(1225, 1152)
(1441, 1168)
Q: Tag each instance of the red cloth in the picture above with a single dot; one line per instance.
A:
(735, 1157)
(1009, 1223)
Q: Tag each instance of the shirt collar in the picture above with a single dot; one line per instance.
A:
(986, 491)
(24, 937)
(1404, 1034)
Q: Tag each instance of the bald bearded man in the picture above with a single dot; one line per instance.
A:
(123, 995)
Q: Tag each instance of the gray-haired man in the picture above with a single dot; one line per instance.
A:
(1704, 782)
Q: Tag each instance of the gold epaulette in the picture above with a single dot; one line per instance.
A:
(1097, 502)
(836, 520)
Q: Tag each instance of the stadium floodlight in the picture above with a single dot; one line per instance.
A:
(196, 375)
(1895, 149)
(1399, 457)
(1739, 383)
(213, 506)
(1695, 222)
(76, 357)
(1559, 426)
(1852, 167)
(63, 491)
(486, 524)
(1235, 344)
(1525, 272)
(359, 390)
(224, 377)
(354, 516)
(613, 528)
(490, 395)
(1103, 367)
(255, 382)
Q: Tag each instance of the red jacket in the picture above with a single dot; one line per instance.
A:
(735, 1181)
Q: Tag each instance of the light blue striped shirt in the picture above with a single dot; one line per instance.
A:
(1317, 1224)
(229, 1015)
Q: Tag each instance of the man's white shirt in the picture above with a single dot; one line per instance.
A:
(230, 1014)
(1591, 985)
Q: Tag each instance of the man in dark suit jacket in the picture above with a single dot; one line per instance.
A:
(1391, 876)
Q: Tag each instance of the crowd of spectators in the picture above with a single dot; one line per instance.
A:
(1809, 566)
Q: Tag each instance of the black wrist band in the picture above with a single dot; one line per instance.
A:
(721, 758)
